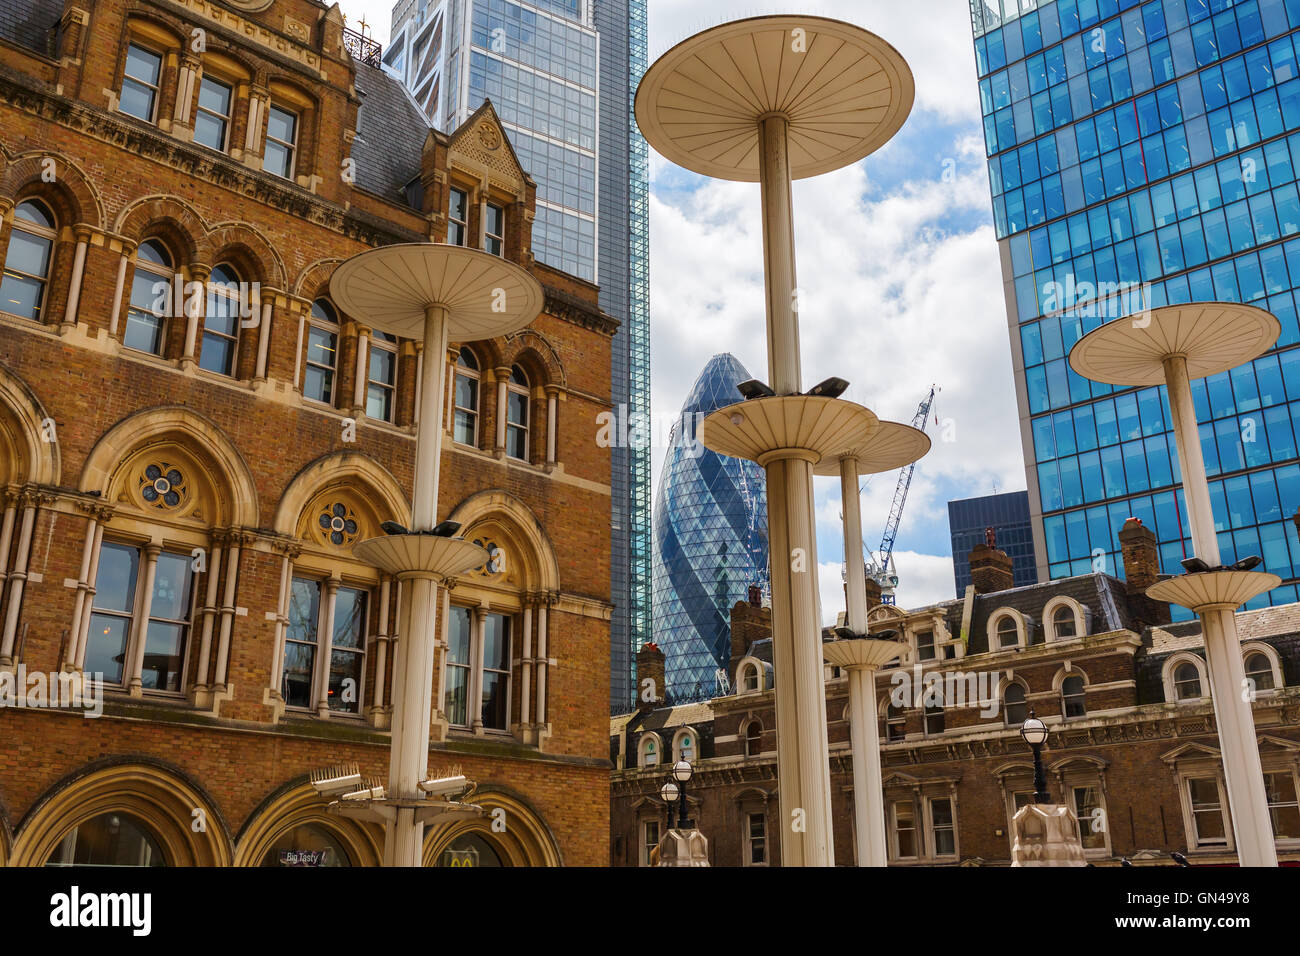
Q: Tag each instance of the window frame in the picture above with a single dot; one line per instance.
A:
(331, 326)
(1194, 839)
(156, 271)
(644, 828)
(895, 845)
(514, 388)
(1081, 696)
(462, 225)
(494, 243)
(35, 230)
(477, 667)
(290, 146)
(219, 292)
(227, 119)
(473, 374)
(374, 386)
(156, 97)
(748, 839)
(314, 701)
(138, 630)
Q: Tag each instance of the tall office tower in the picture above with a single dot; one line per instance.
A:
(710, 533)
(1152, 145)
(1008, 515)
(562, 75)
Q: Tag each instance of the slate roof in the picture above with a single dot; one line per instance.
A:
(28, 23)
(391, 135)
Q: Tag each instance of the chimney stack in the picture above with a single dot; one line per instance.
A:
(650, 683)
(1137, 544)
(750, 622)
(990, 568)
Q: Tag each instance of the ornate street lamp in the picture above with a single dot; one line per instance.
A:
(1035, 733)
(682, 772)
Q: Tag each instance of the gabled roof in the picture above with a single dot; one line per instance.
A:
(482, 145)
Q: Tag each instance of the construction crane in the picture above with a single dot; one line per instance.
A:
(880, 566)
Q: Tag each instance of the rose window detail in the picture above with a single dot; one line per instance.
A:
(162, 485)
(338, 524)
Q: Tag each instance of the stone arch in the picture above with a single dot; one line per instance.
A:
(295, 804)
(526, 841)
(533, 350)
(1082, 617)
(314, 281)
(193, 432)
(487, 351)
(25, 455)
(169, 217)
(159, 794)
(991, 629)
(72, 194)
(500, 510)
(1062, 673)
(247, 248)
(335, 470)
(1170, 668)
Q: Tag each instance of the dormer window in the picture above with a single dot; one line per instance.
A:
(1063, 622)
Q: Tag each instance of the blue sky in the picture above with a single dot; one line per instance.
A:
(899, 282)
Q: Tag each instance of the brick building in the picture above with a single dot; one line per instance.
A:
(192, 438)
(1124, 692)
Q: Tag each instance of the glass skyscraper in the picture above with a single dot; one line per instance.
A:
(1008, 515)
(710, 535)
(1151, 145)
(561, 75)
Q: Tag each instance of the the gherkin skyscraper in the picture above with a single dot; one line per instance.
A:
(710, 539)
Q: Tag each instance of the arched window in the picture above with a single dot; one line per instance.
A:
(465, 414)
(151, 298)
(27, 261)
(649, 751)
(112, 839)
(895, 722)
(1007, 632)
(1063, 622)
(753, 738)
(934, 718)
(1014, 708)
(381, 388)
(221, 321)
(322, 353)
(684, 746)
(517, 414)
(1073, 697)
(306, 845)
(1187, 682)
(1259, 671)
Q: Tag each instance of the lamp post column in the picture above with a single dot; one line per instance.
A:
(802, 754)
(1243, 773)
(413, 668)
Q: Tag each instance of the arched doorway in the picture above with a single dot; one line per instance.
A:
(470, 849)
(110, 839)
(307, 845)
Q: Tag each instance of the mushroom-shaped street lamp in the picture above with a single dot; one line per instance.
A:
(1035, 733)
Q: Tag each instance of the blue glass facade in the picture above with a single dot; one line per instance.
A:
(1157, 144)
(562, 75)
(1008, 515)
(710, 535)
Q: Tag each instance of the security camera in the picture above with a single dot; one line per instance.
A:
(444, 786)
(365, 793)
(335, 781)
